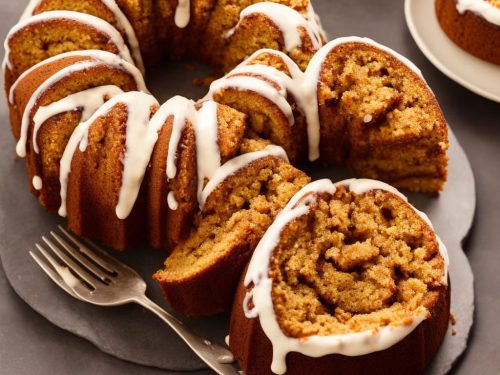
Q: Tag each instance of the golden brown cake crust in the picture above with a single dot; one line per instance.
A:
(167, 227)
(469, 31)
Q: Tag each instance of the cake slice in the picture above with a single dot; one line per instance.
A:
(102, 170)
(47, 34)
(51, 98)
(194, 140)
(378, 116)
(238, 204)
(350, 273)
(107, 10)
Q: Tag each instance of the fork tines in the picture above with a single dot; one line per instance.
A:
(79, 262)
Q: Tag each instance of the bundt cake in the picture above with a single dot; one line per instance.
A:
(348, 272)
(352, 265)
(473, 25)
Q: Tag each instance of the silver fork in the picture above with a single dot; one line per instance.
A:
(93, 276)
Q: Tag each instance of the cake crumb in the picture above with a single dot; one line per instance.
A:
(453, 319)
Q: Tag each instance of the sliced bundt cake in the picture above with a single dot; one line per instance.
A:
(238, 204)
(102, 170)
(350, 273)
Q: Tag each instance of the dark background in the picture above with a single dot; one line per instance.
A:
(29, 344)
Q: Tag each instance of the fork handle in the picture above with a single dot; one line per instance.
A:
(215, 356)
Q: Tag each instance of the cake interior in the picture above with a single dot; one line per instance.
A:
(235, 216)
(354, 263)
(383, 118)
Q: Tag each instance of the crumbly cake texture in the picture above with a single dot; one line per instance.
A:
(265, 119)
(354, 263)
(381, 119)
(351, 264)
(201, 273)
(470, 30)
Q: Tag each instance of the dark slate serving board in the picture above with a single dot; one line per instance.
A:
(134, 334)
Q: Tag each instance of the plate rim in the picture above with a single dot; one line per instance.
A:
(422, 45)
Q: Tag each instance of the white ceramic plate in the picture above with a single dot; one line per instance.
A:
(477, 75)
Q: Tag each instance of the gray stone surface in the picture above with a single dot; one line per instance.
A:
(29, 344)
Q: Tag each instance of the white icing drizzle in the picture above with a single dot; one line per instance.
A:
(140, 140)
(302, 85)
(97, 57)
(37, 182)
(182, 13)
(204, 122)
(182, 110)
(255, 84)
(87, 100)
(235, 164)
(206, 131)
(171, 201)
(121, 20)
(314, 19)
(482, 8)
(91, 21)
(288, 20)
(352, 344)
